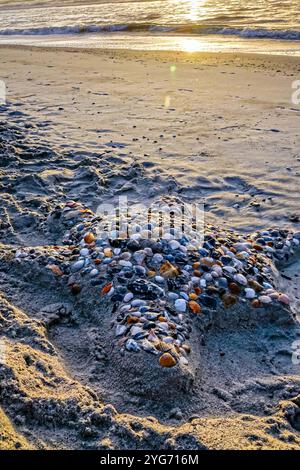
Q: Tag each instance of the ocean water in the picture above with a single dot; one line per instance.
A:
(250, 25)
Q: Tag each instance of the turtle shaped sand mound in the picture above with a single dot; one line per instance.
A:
(156, 294)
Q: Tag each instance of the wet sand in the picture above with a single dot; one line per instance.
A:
(216, 129)
(90, 126)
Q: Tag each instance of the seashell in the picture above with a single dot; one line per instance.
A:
(283, 298)
(120, 330)
(132, 319)
(125, 264)
(132, 345)
(180, 305)
(84, 252)
(207, 261)
(250, 293)
(183, 361)
(234, 288)
(186, 348)
(193, 296)
(94, 272)
(174, 244)
(128, 297)
(258, 247)
(106, 288)
(194, 306)
(167, 360)
(241, 279)
(157, 258)
(265, 299)
(256, 303)
(55, 269)
(149, 347)
(168, 270)
(78, 265)
(162, 319)
(89, 238)
(135, 330)
(108, 252)
(255, 285)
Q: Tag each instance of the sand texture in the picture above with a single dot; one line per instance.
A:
(89, 127)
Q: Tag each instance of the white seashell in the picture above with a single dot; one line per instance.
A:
(120, 330)
(94, 272)
(265, 299)
(128, 297)
(250, 293)
(183, 361)
(241, 279)
(180, 305)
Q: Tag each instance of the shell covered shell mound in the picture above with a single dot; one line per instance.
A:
(159, 287)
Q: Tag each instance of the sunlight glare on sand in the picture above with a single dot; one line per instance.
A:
(191, 45)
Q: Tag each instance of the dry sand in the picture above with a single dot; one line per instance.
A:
(218, 129)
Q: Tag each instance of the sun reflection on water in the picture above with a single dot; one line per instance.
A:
(195, 11)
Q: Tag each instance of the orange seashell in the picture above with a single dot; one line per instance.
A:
(256, 303)
(167, 360)
(161, 319)
(193, 296)
(196, 265)
(106, 288)
(151, 273)
(55, 269)
(89, 238)
(207, 261)
(194, 306)
(86, 211)
(131, 320)
(197, 274)
(98, 261)
(107, 252)
(168, 270)
(258, 247)
(197, 290)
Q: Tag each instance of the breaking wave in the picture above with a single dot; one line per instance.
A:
(256, 33)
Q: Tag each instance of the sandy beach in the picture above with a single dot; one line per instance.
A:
(90, 126)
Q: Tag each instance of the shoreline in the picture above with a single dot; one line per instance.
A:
(186, 56)
(214, 45)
